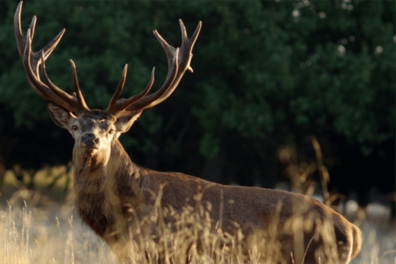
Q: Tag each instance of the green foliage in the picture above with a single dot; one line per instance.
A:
(263, 70)
(209, 146)
(302, 66)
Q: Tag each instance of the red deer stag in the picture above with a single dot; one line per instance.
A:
(112, 192)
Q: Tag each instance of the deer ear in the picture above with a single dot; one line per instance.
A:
(124, 123)
(59, 115)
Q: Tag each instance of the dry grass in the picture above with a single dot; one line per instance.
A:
(48, 235)
(53, 234)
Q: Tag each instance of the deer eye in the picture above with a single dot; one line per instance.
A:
(111, 131)
(74, 127)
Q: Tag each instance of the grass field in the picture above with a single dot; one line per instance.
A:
(37, 229)
(53, 234)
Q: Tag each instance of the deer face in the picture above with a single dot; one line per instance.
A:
(93, 130)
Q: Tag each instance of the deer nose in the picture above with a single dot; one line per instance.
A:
(89, 140)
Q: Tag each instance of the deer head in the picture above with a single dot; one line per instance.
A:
(94, 130)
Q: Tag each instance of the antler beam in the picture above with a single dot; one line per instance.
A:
(179, 60)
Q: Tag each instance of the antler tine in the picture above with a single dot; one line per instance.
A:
(52, 87)
(117, 106)
(28, 69)
(32, 61)
(178, 62)
(78, 106)
(149, 101)
(77, 89)
(117, 93)
(189, 42)
(21, 40)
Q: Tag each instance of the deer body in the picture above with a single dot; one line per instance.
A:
(133, 186)
(113, 194)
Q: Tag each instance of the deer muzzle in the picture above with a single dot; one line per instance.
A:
(90, 141)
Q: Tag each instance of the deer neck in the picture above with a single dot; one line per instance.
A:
(102, 169)
(100, 184)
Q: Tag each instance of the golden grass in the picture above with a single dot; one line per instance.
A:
(53, 234)
(47, 235)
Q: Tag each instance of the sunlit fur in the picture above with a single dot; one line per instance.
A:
(112, 194)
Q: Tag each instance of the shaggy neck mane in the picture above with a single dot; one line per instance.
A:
(102, 185)
(102, 165)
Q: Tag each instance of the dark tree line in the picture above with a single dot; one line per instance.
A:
(267, 74)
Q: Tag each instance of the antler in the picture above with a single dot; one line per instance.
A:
(178, 62)
(32, 61)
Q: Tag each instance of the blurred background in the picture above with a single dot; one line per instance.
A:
(269, 77)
